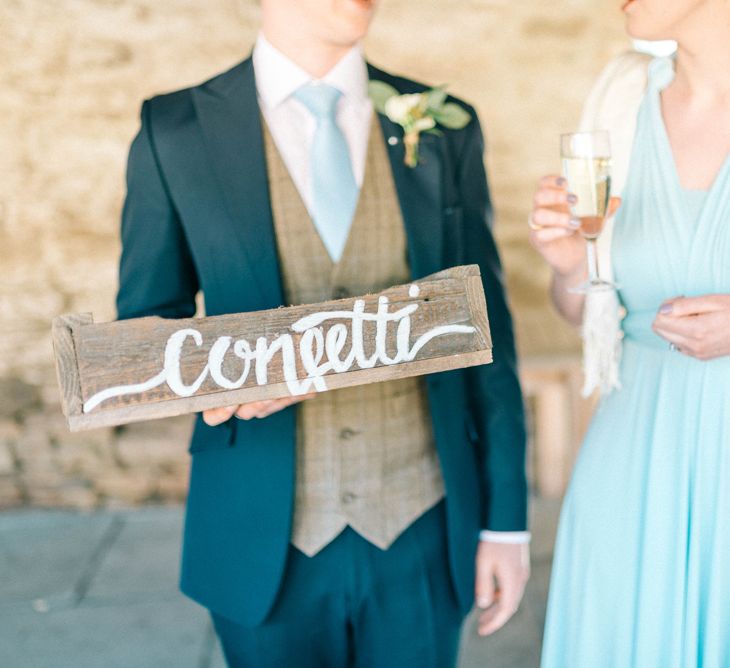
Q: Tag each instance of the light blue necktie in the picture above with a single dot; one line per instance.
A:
(333, 184)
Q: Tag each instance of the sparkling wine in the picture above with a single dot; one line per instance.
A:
(587, 167)
(591, 226)
(590, 180)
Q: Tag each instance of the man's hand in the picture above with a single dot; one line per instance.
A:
(254, 409)
(502, 573)
(697, 326)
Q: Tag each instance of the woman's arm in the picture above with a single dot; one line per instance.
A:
(554, 233)
(568, 304)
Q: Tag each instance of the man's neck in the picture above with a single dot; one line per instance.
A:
(316, 58)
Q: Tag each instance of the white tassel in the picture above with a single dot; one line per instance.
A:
(601, 342)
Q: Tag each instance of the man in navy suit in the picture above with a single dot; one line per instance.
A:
(221, 178)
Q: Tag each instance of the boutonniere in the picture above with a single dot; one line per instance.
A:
(417, 113)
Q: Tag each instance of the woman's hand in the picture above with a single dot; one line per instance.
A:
(254, 409)
(554, 234)
(697, 326)
(553, 231)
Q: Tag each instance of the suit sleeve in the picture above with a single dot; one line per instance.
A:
(496, 406)
(156, 271)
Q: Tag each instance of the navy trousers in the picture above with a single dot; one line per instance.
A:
(353, 605)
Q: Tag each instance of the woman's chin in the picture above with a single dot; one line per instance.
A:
(642, 33)
(639, 27)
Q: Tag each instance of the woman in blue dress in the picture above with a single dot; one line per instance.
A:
(641, 577)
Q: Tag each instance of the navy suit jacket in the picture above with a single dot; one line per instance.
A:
(197, 217)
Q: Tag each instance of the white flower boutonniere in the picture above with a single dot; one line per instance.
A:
(416, 113)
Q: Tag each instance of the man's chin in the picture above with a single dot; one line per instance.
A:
(350, 34)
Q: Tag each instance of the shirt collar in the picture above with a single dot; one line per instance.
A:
(278, 77)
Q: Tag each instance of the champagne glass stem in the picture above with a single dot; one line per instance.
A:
(592, 253)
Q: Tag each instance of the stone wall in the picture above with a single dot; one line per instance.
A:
(72, 76)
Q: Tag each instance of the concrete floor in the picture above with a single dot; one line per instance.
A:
(89, 590)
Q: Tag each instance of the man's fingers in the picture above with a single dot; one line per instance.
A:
(485, 588)
(274, 406)
(511, 589)
(280, 404)
(296, 400)
(262, 409)
(494, 619)
(510, 594)
(509, 566)
(252, 409)
(215, 416)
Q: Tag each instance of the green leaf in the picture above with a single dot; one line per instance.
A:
(434, 131)
(452, 116)
(436, 97)
(380, 92)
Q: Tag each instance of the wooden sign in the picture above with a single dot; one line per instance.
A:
(131, 370)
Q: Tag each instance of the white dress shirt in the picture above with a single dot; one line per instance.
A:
(292, 128)
(291, 124)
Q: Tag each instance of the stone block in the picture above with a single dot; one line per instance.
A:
(172, 488)
(10, 494)
(7, 460)
(9, 431)
(123, 488)
(17, 398)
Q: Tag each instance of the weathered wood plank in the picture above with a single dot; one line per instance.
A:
(67, 370)
(152, 367)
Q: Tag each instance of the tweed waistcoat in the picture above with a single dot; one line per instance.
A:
(365, 455)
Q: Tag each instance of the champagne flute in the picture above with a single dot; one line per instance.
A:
(586, 158)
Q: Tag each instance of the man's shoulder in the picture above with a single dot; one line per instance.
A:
(177, 104)
(402, 84)
(405, 86)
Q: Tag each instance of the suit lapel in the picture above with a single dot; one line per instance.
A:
(229, 115)
(230, 118)
(420, 192)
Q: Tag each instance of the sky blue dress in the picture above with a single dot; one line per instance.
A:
(641, 576)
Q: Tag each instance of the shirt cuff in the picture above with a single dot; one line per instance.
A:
(506, 537)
